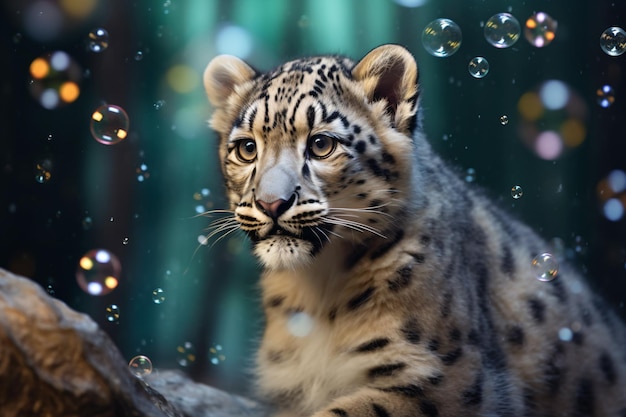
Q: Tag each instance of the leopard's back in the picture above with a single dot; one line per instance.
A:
(391, 288)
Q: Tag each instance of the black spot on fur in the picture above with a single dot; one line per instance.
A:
(385, 370)
(446, 305)
(402, 278)
(360, 146)
(452, 357)
(515, 335)
(474, 394)
(608, 368)
(558, 289)
(373, 345)
(435, 379)
(310, 117)
(433, 345)
(507, 263)
(339, 412)
(455, 334)
(276, 301)
(332, 315)
(379, 410)
(410, 331)
(360, 299)
(388, 158)
(585, 400)
(355, 256)
(410, 391)
(553, 372)
(429, 409)
(389, 244)
(537, 309)
(306, 171)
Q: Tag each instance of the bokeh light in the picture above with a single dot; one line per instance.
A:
(605, 96)
(502, 30)
(540, 29)
(109, 124)
(182, 79)
(553, 119)
(442, 38)
(185, 354)
(611, 192)
(234, 40)
(216, 355)
(98, 272)
(55, 79)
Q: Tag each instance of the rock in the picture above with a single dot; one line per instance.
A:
(57, 362)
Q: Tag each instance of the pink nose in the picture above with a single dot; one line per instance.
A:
(275, 208)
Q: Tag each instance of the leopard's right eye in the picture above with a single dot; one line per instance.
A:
(246, 150)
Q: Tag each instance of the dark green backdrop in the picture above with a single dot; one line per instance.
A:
(152, 68)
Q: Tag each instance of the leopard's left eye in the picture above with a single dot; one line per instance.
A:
(322, 146)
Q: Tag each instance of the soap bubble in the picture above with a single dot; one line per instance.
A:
(98, 272)
(113, 313)
(504, 120)
(478, 67)
(109, 124)
(158, 296)
(138, 55)
(140, 365)
(185, 354)
(502, 30)
(442, 38)
(158, 105)
(545, 267)
(42, 171)
(55, 79)
(215, 355)
(613, 41)
(605, 96)
(613, 209)
(202, 201)
(540, 29)
(98, 40)
(517, 192)
(300, 324)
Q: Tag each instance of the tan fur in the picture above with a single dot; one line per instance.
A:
(391, 288)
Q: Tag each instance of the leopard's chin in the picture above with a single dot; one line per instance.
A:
(281, 251)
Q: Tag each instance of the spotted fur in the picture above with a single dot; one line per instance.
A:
(391, 288)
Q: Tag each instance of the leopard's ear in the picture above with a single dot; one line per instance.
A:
(222, 76)
(390, 73)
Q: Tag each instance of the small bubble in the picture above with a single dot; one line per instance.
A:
(138, 55)
(470, 175)
(87, 223)
(215, 355)
(442, 38)
(98, 40)
(42, 171)
(166, 6)
(112, 313)
(158, 296)
(545, 267)
(540, 29)
(504, 120)
(109, 124)
(142, 172)
(50, 136)
(17, 38)
(566, 334)
(605, 96)
(203, 240)
(111, 219)
(158, 105)
(140, 365)
(125, 241)
(478, 67)
(517, 192)
(50, 290)
(613, 41)
(185, 354)
(502, 30)
(98, 272)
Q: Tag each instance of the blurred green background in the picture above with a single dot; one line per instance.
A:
(62, 193)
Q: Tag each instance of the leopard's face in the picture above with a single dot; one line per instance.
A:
(308, 158)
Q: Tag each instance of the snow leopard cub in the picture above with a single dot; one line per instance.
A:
(391, 287)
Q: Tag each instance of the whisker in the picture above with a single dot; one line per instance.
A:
(359, 227)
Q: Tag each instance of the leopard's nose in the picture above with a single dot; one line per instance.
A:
(277, 207)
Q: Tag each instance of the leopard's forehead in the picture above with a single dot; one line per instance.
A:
(294, 96)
